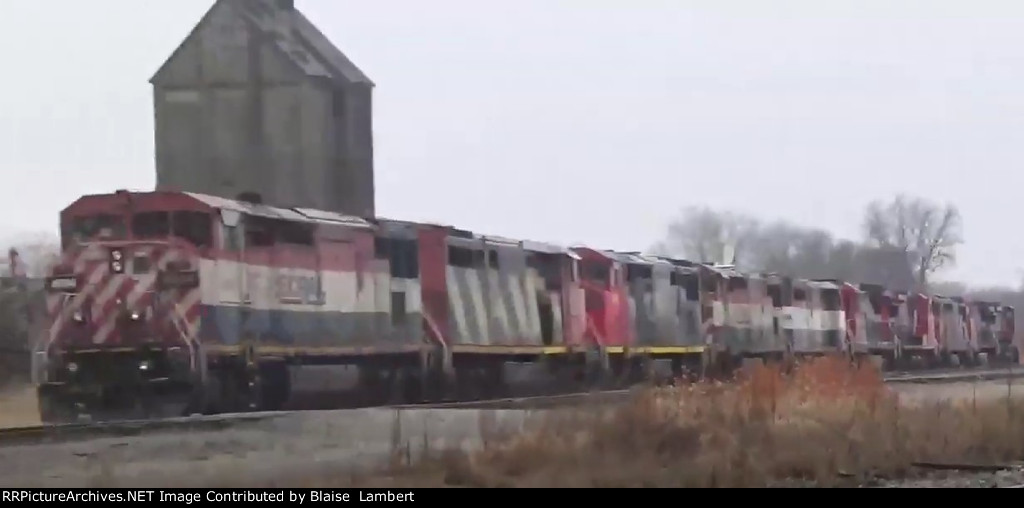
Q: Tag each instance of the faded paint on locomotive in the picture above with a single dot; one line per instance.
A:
(663, 316)
(560, 297)
(986, 324)
(493, 295)
(854, 301)
(879, 315)
(640, 298)
(826, 330)
(606, 300)
(809, 315)
(920, 328)
(748, 321)
(692, 329)
(298, 279)
(952, 327)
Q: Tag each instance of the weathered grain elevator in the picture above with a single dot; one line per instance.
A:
(257, 100)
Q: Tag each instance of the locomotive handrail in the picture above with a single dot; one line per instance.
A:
(441, 339)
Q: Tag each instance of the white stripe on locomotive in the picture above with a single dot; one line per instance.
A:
(143, 284)
(456, 304)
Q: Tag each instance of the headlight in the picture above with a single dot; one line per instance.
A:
(72, 367)
(144, 365)
(135, 315)
(78, 316)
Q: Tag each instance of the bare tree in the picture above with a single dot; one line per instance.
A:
(804, 252)
(705, 235)
(773, 248)
(927, 232)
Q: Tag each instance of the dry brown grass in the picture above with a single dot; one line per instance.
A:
(826, 424)
(18, 406)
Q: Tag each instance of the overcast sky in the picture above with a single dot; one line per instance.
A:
(580, 121)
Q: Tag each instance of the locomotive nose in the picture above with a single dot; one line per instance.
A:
(133, 322)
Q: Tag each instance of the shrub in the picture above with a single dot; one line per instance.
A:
(826, 424)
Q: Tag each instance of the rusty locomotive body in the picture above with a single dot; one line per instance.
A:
(172, 302)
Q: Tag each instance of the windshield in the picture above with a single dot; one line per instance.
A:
(89, 227)
(194, 227)
(595, 272)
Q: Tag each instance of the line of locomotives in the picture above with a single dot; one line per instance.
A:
(166, 303)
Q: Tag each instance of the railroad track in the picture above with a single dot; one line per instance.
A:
(955, 375)
(92, 430)
(545, 401)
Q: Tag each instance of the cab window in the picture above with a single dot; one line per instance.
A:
(194, 227)
(89, 227)
(596, 273)
(830, 299)
(147, 225)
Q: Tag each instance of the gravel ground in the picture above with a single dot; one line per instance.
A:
(965, 391)
(283, 449)
(290, 448)
(1011, 477)
(911, 393)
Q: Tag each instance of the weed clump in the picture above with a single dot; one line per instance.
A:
(825, 423)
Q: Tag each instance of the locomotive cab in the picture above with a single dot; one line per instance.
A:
(122, 311)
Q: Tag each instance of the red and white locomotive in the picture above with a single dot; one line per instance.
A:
(168, 303)
(161, 301)
(171, 302)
